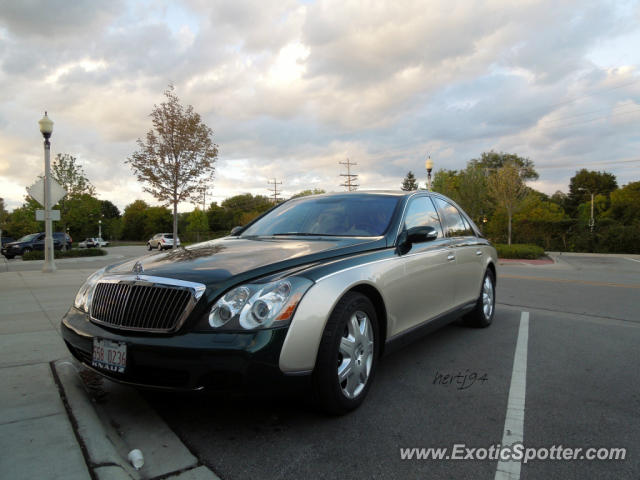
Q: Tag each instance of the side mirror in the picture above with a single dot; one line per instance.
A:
(421, 234)
(235, 231)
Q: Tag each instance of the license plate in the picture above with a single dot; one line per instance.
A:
(109, 355)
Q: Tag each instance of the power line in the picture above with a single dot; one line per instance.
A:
(573, 165)
(274, 191)
(616, 114)
(351, 178)
(580, 97)
(553, 120)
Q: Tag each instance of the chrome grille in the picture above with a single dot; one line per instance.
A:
(142, 305)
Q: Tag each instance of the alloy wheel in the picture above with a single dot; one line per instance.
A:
(355, 355)
(487, 297)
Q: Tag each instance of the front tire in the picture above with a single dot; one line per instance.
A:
(159, 247)
(347, 355)
(484, 311)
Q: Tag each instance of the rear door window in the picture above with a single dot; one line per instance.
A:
(456, 224)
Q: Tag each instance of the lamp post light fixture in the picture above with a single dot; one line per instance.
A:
(592, 220)
(99, 228)
(429, 165)
(46, 128)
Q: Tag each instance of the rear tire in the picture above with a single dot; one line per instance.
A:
(347, 355)
(482, 314)
(149, 246)
(159, 247)
(26, 250)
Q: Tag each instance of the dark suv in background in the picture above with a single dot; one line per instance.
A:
(35, 241)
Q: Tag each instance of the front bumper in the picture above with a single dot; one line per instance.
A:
(188, 361)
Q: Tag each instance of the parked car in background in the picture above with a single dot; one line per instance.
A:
(35, 241)
(313, 292)
(86, 243)
(162, 241)
(5, 240)
(93, 242)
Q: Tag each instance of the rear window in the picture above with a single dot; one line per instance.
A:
(168, 235)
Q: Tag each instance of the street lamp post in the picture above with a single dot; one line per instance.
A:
(429, 165)
(99, 228)
(592, 220)
(46, 128)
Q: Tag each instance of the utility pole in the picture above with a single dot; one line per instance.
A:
(203, 192)
(274, 190)
(349, 182)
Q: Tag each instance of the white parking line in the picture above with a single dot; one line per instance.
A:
(514, 421)
(632, 259)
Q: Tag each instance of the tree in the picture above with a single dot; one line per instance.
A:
(133, 220)
(3, 215)
(82, 215)
(471, 192)
(584, 183)
(305, 193)
(409, 183)
(22, 221)
(197, 222)
(71, 176)
(156, 220)
(446, 182)
(506, 187)
(493, 161)
(178, 156)
(108, 209)
(625, 204)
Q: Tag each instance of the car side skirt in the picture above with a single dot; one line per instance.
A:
(402, 339)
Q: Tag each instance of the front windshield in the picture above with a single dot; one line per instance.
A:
(351, 215)
(28, 238)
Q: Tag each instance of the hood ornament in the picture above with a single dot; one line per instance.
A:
(137, 268)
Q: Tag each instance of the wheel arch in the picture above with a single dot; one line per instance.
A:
(374, 295)
(492, 267)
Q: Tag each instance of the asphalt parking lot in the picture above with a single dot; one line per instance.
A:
(581, 382)
(581, 391)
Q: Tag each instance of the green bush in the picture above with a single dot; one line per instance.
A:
(85, 252)
(519, 250)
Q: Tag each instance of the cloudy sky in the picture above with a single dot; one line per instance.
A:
(290, 88)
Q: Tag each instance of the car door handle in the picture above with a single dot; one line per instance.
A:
(478, 252)
(451, 257)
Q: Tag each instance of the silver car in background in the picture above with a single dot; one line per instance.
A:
(162, 241)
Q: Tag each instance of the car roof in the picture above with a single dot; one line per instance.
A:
(395, 193)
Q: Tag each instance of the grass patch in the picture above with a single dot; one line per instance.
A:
(519, 250)
(85, 252)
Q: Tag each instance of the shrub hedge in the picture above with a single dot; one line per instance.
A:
(519, 250)
(85, 252)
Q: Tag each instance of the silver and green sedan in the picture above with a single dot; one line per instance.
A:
(311, 294)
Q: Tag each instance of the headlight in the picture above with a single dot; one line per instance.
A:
(259, 305)
(83, 297)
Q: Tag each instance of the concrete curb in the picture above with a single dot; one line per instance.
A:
(117, 422)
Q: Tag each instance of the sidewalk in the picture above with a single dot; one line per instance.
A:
(37, 437)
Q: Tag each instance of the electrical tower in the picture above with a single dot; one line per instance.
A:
(203, 190)
(352, 178)
(274, 191)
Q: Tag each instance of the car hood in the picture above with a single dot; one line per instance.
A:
(217, 261)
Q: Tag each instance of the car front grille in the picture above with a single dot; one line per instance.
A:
(144, 306)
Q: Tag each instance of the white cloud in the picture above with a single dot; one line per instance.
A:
(291, 88)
